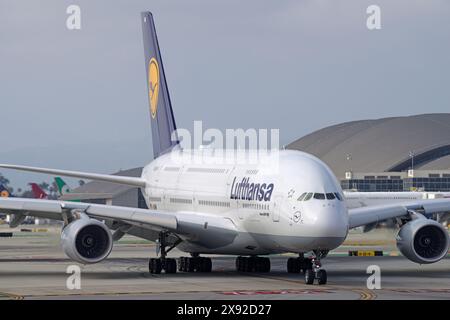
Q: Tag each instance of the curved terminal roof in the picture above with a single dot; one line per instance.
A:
(382, 144)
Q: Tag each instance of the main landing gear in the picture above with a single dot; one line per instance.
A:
(300, 264)
(252, 264)
(169, 265)
(195, 264)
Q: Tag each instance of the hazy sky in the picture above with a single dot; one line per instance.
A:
(77, 99)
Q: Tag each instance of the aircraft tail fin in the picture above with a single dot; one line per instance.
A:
(161, 114)
(63, 188)
(38, 193)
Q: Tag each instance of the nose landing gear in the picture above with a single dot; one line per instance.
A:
(316, 272)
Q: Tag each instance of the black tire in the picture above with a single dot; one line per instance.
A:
(264, 265)
(196, 263)
(155, 266)
(181, 264)
(289, 265)
(296, 265)
(309, 276)
(267, 265)
(244, 263)
(238, 263)
(190, 265)
(258, 264)
(201, 264)
(208, 265)
(174, 267)
(322, 277)
(251, 262)
(167, 265)
(185, 264)
(151, 267)
(170, 266)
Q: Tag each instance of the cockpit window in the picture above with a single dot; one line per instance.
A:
(308, 196)
(302, 196)
(319, 196)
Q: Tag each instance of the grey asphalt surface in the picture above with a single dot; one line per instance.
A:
(33, 266)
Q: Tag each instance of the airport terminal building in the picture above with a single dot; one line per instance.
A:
(390, 154)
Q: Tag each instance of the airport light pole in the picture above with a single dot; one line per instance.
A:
(348, 156)
(411, 155)
(411, 172)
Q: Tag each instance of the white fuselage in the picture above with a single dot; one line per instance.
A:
(259, 194)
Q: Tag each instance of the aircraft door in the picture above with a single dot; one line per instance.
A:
(240, 210)
(278, 203)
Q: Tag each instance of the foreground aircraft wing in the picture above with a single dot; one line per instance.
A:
(193, 226)
(374, 214)
(131, 181)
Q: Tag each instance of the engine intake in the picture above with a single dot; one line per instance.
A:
(86, 241)
(423, 241)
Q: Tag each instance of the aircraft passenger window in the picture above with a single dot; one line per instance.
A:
(301, 197)
(338, 196)
(330, 196)
(308, 196)
(319, 196)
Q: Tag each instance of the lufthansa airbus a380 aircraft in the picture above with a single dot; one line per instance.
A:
(290, 202)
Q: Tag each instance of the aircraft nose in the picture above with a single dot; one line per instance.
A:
(326, 225)
(331, 221)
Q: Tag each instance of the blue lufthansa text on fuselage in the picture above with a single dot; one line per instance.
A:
(246, 190)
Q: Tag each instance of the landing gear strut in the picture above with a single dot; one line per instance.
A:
(252, 264)
(169, 265)
(316, 272)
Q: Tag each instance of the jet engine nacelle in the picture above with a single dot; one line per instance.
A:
(423, 241)
(86, 241)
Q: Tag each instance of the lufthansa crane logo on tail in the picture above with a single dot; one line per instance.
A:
(4, 194)
(153, 85)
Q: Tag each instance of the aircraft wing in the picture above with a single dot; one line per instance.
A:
(374, 214)
(188, 225)
(131, 181)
